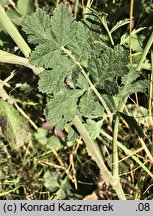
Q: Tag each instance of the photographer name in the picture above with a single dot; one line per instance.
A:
(25, 207)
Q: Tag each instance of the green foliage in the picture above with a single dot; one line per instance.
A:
(108, 66)
(41, 136)
(51, 180)
(119, 24)
(55, 77)
(40, 24)
(19, 10)
(133, 125)
(55, 143)
(54, 34)
(55, 183)
(47, 142)
(130, 84)
(89, 106)
(13, 127)
(93, 128)
(69, 49)
(63, 107)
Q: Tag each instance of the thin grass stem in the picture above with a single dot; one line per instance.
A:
(145, 52)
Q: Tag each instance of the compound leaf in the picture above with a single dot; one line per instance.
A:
(69, 52)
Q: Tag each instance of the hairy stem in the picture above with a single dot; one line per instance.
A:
(95, 153)
(9, 58)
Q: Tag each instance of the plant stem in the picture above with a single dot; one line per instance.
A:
(87, 8)
(76, 8)
(109, 34)
(115, 149)
(115, 169)
(67, 52)
(131, 26)
(95, 153)
(104, 23)
(145, 52)
(9, 58)
(151, 93)
(13, 32)
(151, 97)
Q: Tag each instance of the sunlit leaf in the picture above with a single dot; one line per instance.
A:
(13, 126)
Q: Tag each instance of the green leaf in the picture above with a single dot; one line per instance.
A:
(120, 24)
(63, 26)
(81, 82)
(63, 107)
(125, 38)
(58, 38)
(55, 184)
(59, 29)
(89, 106)
(46, 55)
(108, 65)
(52, 81)
(52, 180)
(13, 126)
(79, 45)
(37, 27)
(55, 33)
(130, 84)
(25, 7)
(133, 124)
(54, 142)
(93, 128)
(64, 190)
(41, 136)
